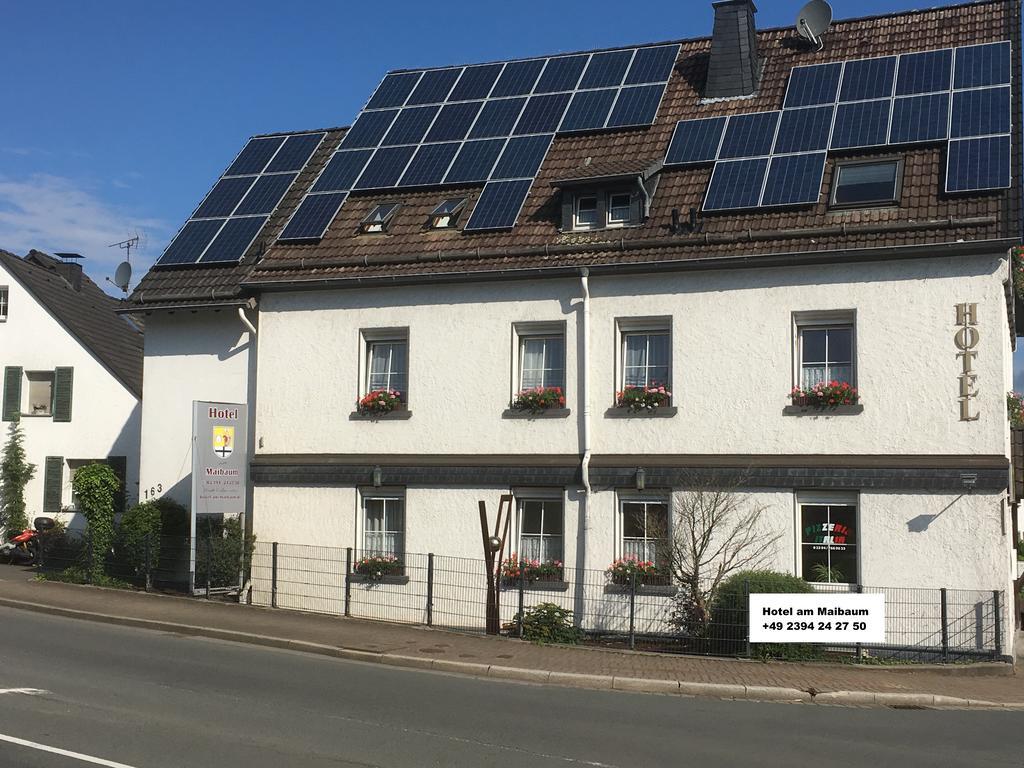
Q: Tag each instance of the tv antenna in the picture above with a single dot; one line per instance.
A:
(123, 274)
(813, 21)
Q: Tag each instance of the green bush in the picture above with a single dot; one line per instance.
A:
(219, 550)
(15, 472)
(96, 485)
(550, 623)
(729, 615)
(140, 531)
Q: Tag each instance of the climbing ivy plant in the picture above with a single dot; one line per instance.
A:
(95, 486)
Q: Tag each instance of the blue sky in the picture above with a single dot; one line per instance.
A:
(118, 116)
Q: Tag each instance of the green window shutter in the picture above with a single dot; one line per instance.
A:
(12, 393)
(120, 466)
(53, 484)
(63, 380)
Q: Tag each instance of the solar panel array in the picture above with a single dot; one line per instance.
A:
(232, 214)
(489, 124)
(960, 96)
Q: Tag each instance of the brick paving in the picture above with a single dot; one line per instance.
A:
(979, 682)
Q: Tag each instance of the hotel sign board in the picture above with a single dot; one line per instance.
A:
(219, 458)
(841, 617)
(966, 339)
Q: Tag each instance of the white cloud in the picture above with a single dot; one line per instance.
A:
(55, 213)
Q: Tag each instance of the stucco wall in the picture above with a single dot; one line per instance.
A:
(732, 348)
(189, 356)
(105, 416)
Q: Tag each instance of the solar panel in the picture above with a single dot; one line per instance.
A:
(254, 156)
(794, 179)
(499, 205)
(518, 78)
(978, 164)
(394, 90)
(234, 239)
(295, 152)
(812, 86)
(924, 72)
(606, 69)
(652, 65)
(454, 121)
(542, 114)
(561, 74)
(868, 79)
(588, 110)
(429, 165)
(861, 124)
(982, 112)
(804, 130)
(434, 86)
(919, 118)
(736, 184)
(497, 118)
(410, 126)
(476, 82)
(265, 194)
(190, 242)
(749, 135)
(224, 196)
(475, 161)
(636, 106)
(385, 168)
(522, 157)
(977, 66)
(313, 216)
(368, 129)
(695, 141)
(342, 170)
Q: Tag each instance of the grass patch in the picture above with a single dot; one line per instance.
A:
(79, 575)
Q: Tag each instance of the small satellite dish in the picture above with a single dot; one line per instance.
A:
(123, 276)
(814, 20)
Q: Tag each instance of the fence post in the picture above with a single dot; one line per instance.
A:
(348, 581)
(944, 606)
(997, 603)
(89, 550)
(39, 551)
(273, 575)
(430, 589)
(149, 563)
(860, 646)
(522, 589)
(632, 610)
(209, 562)
(746, 613)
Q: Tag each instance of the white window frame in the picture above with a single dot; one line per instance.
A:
(614, 222)
(585, 226)
(372, 336)
(837, 499)
(641, 498)
(642, 325)
(823, 320)
(5, 302)
(544, 497)
(27, 393)
(523, 331)
(386, 495)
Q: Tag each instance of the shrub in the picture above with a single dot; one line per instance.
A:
(538, 399)
(1015, 409)
(642, 398)
(221, 550)
(96, 485)
(550, 623)
(15, 472)
(729, 616)
(140, 532)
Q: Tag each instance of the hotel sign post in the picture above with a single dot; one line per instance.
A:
(966, 339)
(220, 454)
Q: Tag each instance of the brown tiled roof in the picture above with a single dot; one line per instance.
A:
(609, 169)
(88, 313)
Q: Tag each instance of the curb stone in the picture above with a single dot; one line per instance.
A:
(567, 679)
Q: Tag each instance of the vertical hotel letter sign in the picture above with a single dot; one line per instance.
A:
(966, 339)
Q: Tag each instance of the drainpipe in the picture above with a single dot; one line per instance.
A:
(245, 321)
(585, 395)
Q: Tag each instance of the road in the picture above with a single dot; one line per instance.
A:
(117, 696)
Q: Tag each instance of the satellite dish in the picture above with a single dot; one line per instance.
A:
(814, 20)
(123, 276)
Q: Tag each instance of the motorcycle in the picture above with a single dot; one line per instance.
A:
(23, 548)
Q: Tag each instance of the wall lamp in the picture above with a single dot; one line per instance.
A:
(969, 480)
(641, 478)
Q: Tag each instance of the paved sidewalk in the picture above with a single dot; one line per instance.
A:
(981, 686)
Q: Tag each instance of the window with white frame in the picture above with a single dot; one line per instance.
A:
(384, 525)
(4, 301)
(541, 359)
(40, 393)
(825, 351)
(620, 209)
(646, 354)
(828, 539)
(541, 524)
(387, 362)
(644, 529)
(585, 212)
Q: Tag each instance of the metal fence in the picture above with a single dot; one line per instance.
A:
(922, 625)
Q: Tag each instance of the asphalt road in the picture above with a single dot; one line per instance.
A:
(126, 697)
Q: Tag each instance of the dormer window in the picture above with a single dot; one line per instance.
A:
(607, 195)
(605, 210)
(620, 209)
(446, 215)
(585, 216)
(379, 218)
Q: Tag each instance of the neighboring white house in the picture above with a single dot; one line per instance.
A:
(757, 227)
(72, 378)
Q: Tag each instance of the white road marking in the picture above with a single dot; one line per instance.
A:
(63, 752)
(24, 691)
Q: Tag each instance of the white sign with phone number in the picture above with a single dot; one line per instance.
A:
(817, 618)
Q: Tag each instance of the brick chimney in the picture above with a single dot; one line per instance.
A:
(734, 69)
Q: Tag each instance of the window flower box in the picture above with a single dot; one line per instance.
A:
(830, 394)
(514, 570)
(378, 567)
(623, 571)
(538, 399)
(380, 401)
(643, 399)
